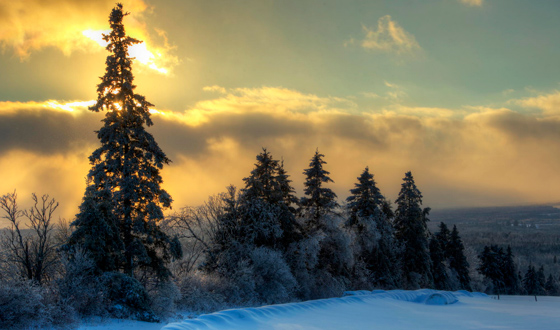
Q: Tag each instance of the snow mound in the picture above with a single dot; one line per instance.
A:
(247, 318)
(424, 296)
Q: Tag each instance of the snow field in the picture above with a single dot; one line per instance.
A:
(398, 309)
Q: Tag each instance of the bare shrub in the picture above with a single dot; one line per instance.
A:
(33, 253)
(196, 227)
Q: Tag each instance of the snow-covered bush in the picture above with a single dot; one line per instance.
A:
(303, 256)
(203, 293)
(24, 304)
(21, 305)
(274, 282)
(80, 287)
(163, 299)
(127, 297)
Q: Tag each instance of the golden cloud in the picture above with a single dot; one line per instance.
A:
(389, 37)
(27, 26)
(74, 107)
(472, 156)
(549, 104)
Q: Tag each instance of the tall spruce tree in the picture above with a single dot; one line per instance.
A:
(319, 200)
(411, 231)
(374, 234)
(323, 224)
(457, 260)
(123, 202)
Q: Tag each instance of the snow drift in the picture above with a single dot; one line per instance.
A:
(248, 318)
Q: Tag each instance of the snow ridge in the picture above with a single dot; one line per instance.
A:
(249, 317)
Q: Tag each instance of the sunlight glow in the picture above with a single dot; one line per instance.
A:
(70, 106)
(139, 52)
(154, 111)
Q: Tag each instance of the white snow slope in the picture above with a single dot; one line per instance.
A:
(410, 310)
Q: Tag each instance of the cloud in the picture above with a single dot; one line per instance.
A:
(46, 127)
(472, 3)
(389, 37)
(27, 26)
(396, 93)
(459, 157)
(214, 88)
(549, 104)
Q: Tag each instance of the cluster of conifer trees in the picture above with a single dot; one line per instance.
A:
(324, 247)
(500, 269)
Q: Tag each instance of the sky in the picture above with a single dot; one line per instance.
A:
(463, 93)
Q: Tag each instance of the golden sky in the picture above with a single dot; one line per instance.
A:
(463, 93)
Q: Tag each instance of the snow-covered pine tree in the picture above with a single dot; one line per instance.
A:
(551, 286)
(411, 231)
(365, 200)
(267, 202)
(439, 270)
(288, 203)
(531, 282)
(287, 192)
(123, 202)
(541, 280)
(491, 266)
(319, 200)
(457, 260)
(322, 223)
(444, 236)
(261, 184)
(511, 280)
(373, 231)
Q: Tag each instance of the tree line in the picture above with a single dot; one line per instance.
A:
(500, 269)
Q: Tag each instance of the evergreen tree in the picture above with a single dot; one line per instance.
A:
(411, 231)
(267, 202)
(439, 271)
(261, 184)
(287, 205)
(443, 237)
(532, 282)
(365, 200)
(286, 191)
(491, 266)
(511, 281)
(123, 202)
(320, 201)
(322, 223)
(457, 260)
(374, 234)
(551, 286)
(541, 280)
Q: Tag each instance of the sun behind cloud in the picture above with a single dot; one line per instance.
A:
(28, 26)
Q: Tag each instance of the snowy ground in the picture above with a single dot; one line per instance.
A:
(423, 309)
